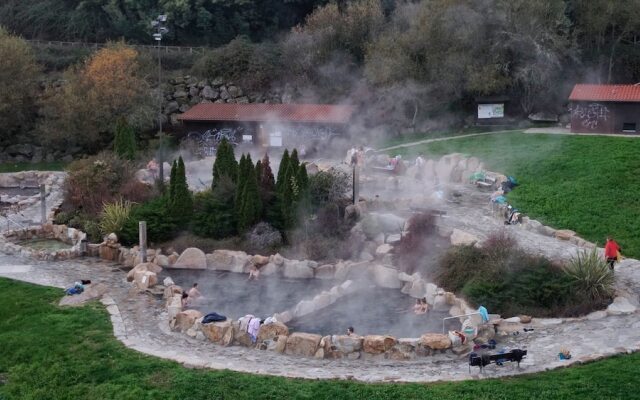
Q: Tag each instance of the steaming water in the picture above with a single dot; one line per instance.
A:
(232, 295)
(44, 244)
(371, 311)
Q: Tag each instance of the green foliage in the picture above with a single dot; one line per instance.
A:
(282, 169)
(558, 184)
(37, 366)
(213, 215)
(124, 144)
(330, 186)
(591, 274)
(162, 224)
(254, 65)
(180, 197)
(225, 163)
(510, 282)
(248, 202)
(18, 86)
(114, 216)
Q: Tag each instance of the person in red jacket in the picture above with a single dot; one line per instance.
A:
(611, 250)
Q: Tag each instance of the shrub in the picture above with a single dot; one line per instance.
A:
(213, 215)
(114, 215)
(330, 186)
(162, 225)
(96, 180)
(591, 275)
(415, 244)
(225, 163)
(263, 238)
(124, 143)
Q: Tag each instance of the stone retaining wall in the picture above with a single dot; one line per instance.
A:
(71, 236)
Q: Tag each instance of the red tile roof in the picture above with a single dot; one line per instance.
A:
(315, 113)
(620, 93)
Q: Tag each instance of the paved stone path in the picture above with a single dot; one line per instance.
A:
(440, 139)
(140, 323)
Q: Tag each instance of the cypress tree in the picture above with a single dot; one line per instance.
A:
(294, 161)
(182, 201)
(124, 143)
(282, 169)
(287, 197)
(225, 163)
(266, 182)
(303, 198)
(241, 180)
(251, 207)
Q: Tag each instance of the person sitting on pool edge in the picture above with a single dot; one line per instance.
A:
(254, 273)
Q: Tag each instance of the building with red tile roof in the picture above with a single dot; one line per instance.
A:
(605, 108)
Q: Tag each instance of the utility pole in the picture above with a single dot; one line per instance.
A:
(159, 26)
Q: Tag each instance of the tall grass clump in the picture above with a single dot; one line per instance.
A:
(114, 216)
(590, 275)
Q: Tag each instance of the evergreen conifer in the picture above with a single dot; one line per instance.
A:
(173, 180)
(181, 200)
(225, 163)
(282, 169)
(124, 144)
(251, 207)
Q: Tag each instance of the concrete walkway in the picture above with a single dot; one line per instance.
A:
(140, 322)
(441, 139)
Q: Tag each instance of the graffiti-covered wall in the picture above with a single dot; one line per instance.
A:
(604, 117)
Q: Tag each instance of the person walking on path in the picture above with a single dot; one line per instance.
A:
(611, 252)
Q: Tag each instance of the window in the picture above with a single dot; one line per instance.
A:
(629, 127)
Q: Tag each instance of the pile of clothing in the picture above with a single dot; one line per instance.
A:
(251, 324)
(77, 288)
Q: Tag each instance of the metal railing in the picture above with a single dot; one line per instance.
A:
(145, 47)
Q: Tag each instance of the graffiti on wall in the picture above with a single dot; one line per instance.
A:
(305, 133)
(204, 144)
(591, 115)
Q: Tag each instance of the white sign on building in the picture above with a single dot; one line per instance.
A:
(486, 111)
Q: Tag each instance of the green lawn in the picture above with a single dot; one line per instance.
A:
(51, 353)
(589, 184)
(25, 166)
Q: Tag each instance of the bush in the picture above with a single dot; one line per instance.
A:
(508, 281)
(410, 252)
(591, 275)
(114, 216)
(213, 211)
(263, 238)
(161, 224)
(96, 180)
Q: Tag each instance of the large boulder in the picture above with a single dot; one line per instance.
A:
(171, 290)
(219, 332)
(174, 305)
(143, 280)
(389, 223)
(459, 237)
(191, 258)
(271, 331)
(326, 271)
(227, 260)
(185, 320)
(297, 269)
(564, 234)
(347, 344)
(377, 344)
(91, 292)
(386, 277)
(302, 344)
(241, 337)
(143, 267)
(621, 305)
(435, 341)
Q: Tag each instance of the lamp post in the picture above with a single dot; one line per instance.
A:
(159, 29)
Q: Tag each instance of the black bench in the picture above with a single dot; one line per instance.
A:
(482, 360)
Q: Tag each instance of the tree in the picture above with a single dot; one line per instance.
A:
(109, 86)
(18, 86)
(173, 180)
(241, 181)
(250, 207)
(124, 144)
(266, 182)
(180, 200)
(225, 163)
(282, 169)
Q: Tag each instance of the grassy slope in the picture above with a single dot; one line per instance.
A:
(51, 353)
(584, 183)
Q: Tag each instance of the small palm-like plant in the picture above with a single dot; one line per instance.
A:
(591, 275)
(114, 215)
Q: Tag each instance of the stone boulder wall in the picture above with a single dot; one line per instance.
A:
(386, 277)
(240, 337)
(185, 320)
(346, 344)
(174, 306)
(271, 331)
(404, 349)
(219, 332)
(435, 341)
(191, 258)
(171, 290)
(299, 269)
(378, 344)
(459, 237)
(228, 260)
(91, 292)
(302, 344)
